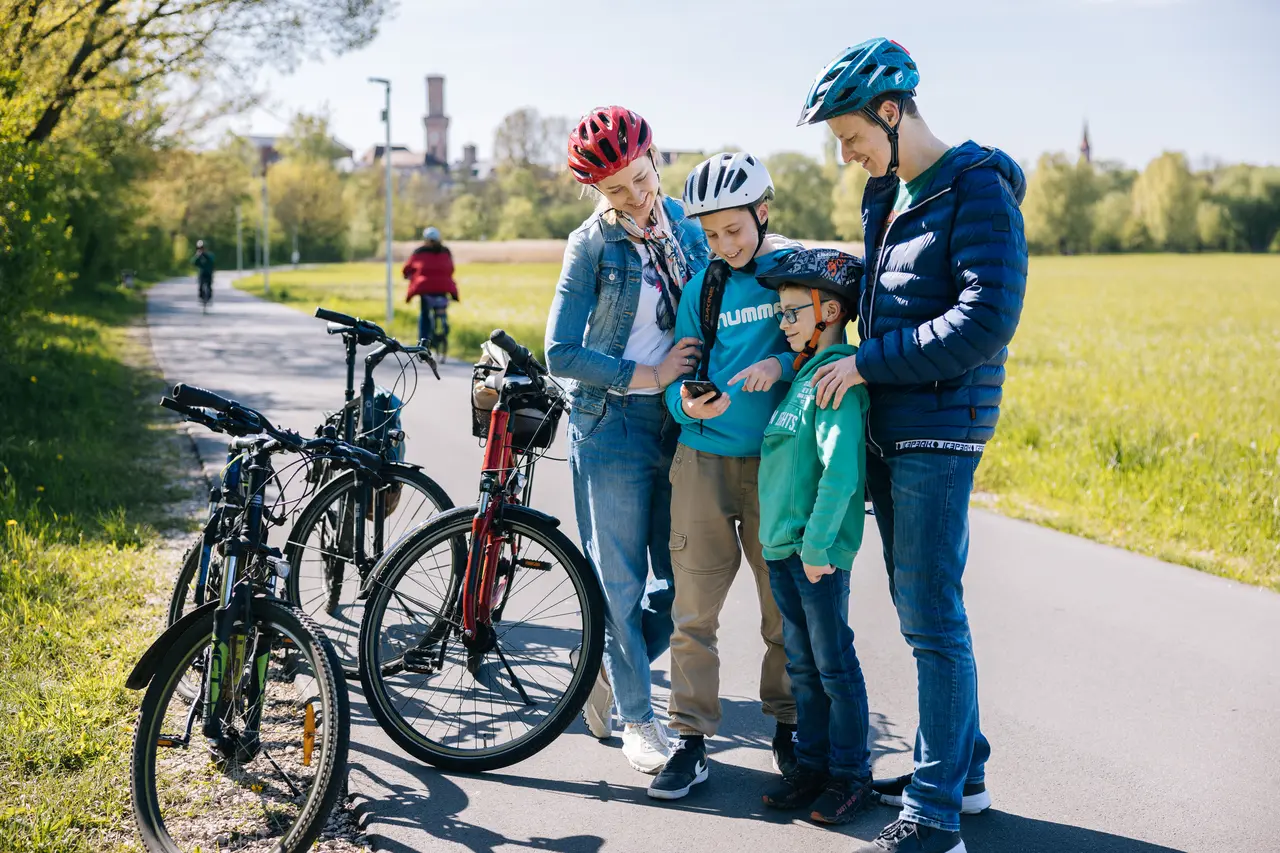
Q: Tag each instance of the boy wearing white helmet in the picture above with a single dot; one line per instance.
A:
(723, 412)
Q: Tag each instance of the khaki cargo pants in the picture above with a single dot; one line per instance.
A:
(715, 516)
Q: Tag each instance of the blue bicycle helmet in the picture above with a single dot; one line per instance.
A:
(854, 79)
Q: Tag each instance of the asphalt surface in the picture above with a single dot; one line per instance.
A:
(1133, 706)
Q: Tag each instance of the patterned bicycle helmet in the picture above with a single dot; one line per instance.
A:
(606, 141)
(853, 79)
(831, 270)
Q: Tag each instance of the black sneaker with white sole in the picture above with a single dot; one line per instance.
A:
(686, 767)
(976, 799)
(784, 750)
(903, 836)
(796, 791)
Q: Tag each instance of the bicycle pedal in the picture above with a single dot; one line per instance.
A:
(536, 565)
(171, 742)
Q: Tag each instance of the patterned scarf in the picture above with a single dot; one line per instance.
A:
(668, 259)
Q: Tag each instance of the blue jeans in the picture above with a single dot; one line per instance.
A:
(433, 306)
(826, 678)
(921, 502)
(621, 462)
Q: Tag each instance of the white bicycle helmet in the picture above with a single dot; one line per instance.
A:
(725, 181)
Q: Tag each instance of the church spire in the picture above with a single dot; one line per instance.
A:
(1086, 152)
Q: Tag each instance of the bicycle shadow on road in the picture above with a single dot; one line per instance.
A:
(433, 806)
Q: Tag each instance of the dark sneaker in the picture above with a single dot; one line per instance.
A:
(784, 750)
(841, 802)
(795, 791)
(976, 799)
(903, 836)
(686, 767)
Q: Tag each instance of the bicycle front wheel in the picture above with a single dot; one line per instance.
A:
(490, 701)
(325, 581)
(271, 779)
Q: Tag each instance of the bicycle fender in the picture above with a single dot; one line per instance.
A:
(539, 515)
(147, 665)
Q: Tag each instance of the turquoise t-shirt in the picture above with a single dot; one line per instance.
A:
(747, 332)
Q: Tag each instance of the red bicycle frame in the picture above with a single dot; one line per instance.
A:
(482, 558)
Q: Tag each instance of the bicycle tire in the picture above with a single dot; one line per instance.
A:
(455, 525)
(308, 641)
(300, 575)
(178, 603)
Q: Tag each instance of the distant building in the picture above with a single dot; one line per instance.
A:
(1086, 152)
(436, 124)
(403, 159)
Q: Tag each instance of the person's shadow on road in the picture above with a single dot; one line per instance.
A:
(437, 804)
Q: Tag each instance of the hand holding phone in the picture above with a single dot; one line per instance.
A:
(700, 388)
(702, 400)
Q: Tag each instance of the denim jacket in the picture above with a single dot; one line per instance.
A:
(595, 305)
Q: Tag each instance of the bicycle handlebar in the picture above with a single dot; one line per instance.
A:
(190, 395)
(520, 356)
(335, 317)
(234, 418)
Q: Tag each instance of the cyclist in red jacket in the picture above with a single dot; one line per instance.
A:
(430, 275)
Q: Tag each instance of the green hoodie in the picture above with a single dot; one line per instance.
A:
(812, 473)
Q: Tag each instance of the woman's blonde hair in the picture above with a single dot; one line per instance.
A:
(602, 202)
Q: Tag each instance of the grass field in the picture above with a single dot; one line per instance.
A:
(494, 296)
(1142, 407)
(85, 479)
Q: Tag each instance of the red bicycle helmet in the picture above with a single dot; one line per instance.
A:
(606, 141)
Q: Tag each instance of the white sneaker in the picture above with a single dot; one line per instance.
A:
(598, 712)
(647, 746)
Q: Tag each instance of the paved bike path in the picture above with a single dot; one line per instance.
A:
(1133, 706)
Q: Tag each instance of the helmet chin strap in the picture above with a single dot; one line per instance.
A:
(819, 326)
(891, 131)
(750, 265)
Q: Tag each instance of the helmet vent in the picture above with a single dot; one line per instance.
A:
(606, 148)
(738, 180)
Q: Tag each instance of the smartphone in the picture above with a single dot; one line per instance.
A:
(698, 388)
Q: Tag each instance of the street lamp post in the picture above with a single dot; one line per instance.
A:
(266, 226)
(386, 157)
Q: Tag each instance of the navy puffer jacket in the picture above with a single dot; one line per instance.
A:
(939, 303)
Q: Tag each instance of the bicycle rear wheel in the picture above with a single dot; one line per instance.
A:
(272, 782)
(324, 580)
(492, 705)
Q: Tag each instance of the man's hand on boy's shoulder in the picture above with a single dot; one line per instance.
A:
(703, 408)
(759, 376)
(816, 573)
(833, 380)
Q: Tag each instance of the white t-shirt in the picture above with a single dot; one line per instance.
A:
(648, 344)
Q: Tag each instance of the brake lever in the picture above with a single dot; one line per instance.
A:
(425, 355)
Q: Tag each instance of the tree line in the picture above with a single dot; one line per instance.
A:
(100, 103)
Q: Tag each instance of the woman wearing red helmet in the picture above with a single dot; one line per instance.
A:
(611, 332)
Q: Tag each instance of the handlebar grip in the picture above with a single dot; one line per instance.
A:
(520, 356)
(192, 414)
(335, 317)
(189, 395)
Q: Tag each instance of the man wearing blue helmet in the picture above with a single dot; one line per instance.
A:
(946, 269)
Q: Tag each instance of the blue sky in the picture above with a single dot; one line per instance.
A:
(1198, 76)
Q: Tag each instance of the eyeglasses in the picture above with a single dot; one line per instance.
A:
(788, 315)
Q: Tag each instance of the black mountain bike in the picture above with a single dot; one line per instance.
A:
(353, 515)
(485, 627)
(357, 514)
(256, 753)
